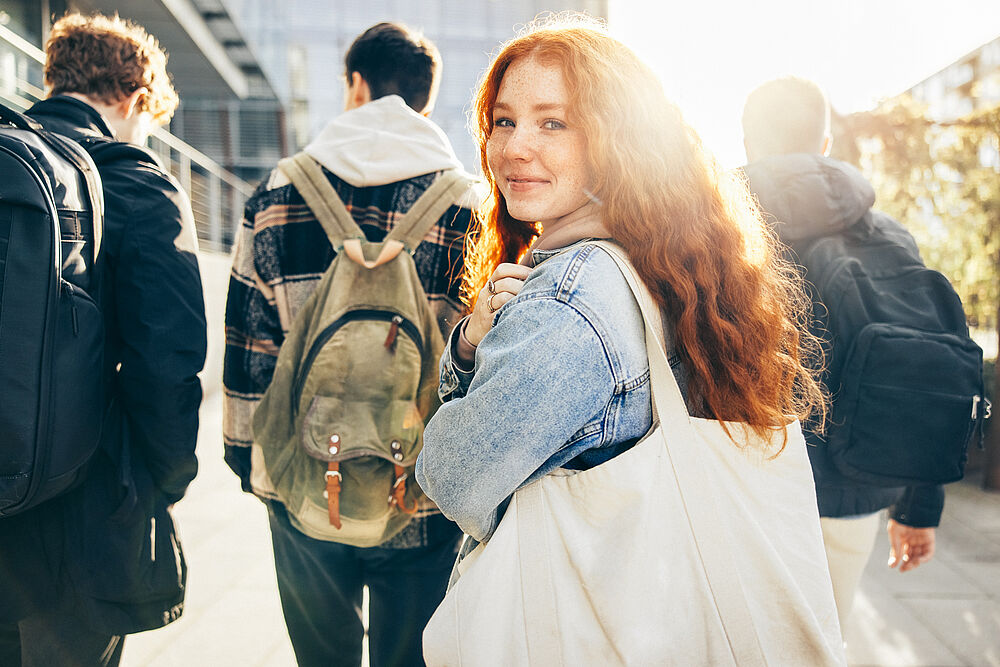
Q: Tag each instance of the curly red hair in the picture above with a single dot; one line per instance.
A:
(691, 229)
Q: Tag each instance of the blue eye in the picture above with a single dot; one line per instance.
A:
(503, 122)
(554, 125)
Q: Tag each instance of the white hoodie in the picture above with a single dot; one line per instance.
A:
(381, 142)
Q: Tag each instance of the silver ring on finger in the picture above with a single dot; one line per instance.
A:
(491, 287)
(489, 303)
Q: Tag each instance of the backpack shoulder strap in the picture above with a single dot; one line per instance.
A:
(18, 119)
(411, 229)
(320, 196)
(77, 154)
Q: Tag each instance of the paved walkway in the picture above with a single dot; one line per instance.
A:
(946, 612)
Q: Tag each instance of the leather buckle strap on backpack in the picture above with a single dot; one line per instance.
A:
(982, 409)
(332, 492)
(398, 495)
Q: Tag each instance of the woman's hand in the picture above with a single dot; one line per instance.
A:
(503, 285)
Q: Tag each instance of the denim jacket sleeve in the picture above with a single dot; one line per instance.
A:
(542, 373)
(454, 380)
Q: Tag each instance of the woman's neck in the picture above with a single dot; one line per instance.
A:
(583, 223)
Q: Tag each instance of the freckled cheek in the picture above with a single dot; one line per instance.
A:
(570, 169)
(494, 154)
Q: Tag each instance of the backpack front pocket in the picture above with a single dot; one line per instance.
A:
(908, 407)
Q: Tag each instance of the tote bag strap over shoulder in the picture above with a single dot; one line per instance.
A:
(713, 546)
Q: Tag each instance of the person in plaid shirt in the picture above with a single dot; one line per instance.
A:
(380, 155)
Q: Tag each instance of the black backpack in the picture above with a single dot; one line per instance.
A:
(906, 378)
(52, 341)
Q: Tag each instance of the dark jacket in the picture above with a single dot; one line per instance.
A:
(109, 545)
(809, 196)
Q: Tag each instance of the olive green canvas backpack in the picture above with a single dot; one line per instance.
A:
(341, 423)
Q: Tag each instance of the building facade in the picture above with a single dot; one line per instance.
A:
(968, 84)
(301, 45)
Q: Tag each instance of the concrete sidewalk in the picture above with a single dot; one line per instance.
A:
(946, 612)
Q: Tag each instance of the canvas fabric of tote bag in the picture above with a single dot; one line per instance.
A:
(684, 550)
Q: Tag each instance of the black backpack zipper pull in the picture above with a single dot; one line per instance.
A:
(390, 340)
(72, 310)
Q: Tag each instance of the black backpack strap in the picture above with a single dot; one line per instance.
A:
(18, 119)
(70, 151)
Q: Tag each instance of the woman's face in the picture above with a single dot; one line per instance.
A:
(536, 155)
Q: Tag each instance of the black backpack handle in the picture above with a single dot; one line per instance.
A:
(18, 119)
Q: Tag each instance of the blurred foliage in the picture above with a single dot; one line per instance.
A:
(942, 181)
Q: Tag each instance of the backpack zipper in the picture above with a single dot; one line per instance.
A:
(68, 288)
(397, 323)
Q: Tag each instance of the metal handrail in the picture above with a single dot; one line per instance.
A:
(202, 160)
(22, 44)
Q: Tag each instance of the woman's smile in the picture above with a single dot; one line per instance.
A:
(535, 152)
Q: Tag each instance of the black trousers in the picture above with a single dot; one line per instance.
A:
(59, 637)
(320, 584)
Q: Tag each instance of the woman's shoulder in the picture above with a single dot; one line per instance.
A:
(586, 279)
(583, 272)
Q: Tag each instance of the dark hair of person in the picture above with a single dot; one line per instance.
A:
(394, 60)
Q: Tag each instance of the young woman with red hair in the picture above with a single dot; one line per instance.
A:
(550, 369)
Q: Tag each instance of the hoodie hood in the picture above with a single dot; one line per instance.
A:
(809, 195)
(383, 141)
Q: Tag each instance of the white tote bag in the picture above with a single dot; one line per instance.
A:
(684, 550)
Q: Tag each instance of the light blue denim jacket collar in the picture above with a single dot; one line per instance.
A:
(539, 256)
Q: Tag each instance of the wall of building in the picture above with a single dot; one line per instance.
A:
(968, 84)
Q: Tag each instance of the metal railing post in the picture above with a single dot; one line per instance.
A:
(184, 171)
(236, 210)
(215, 212)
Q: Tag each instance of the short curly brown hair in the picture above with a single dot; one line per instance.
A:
(108, 58)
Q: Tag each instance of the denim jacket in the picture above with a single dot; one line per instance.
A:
(561, 380)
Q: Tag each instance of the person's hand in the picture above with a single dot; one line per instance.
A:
(503, 285)
(909, 546)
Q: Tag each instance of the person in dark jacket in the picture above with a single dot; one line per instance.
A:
(786, 135)
(81, 571)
